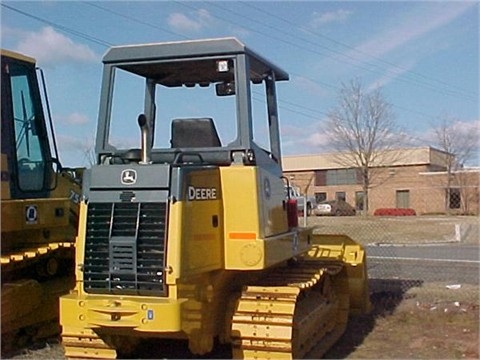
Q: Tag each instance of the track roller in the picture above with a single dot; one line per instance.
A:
(85, 344)
(295, 312)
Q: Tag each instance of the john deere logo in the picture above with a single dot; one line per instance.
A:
(128, 177)
(31, 214)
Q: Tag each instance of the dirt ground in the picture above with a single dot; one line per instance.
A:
(408, 321)
(427, 322)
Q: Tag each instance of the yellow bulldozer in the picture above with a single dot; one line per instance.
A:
(40, 204)
(186, 231)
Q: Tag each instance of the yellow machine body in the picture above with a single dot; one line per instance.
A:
(207, 269)
(39, 207)
(196, 241)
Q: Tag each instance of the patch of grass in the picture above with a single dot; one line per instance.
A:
(400, 230)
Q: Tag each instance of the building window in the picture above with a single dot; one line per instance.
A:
(455, 199)
(359, 199)
(320, 177)
(337, 177)
(320, 196)
(340, 195)
(402, 198)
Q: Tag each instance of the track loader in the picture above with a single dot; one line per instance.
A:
(39, 210)
(185, 229)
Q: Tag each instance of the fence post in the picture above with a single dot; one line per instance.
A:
(458, 234)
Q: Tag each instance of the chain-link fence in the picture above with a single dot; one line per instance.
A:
(413, 251)
(453, 200)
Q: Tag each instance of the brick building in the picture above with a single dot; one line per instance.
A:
(405, 178)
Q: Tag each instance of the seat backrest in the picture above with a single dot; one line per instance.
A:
(194, 132)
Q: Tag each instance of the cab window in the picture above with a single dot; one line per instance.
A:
(29, 154)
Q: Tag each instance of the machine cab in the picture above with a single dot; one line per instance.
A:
(195, 101)
(27, 165)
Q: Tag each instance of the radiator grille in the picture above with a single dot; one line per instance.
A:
(125, 248)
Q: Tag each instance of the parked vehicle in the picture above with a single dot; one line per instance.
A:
(293, 192)
(335, 207)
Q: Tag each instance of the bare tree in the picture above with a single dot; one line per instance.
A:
(363, 132)
(460, 143)
(88, 150)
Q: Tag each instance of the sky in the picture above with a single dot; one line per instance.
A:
(423, 55)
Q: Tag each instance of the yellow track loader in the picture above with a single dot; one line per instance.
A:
(40, 204)
(186, 231)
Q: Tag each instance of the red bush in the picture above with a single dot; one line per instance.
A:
(394, 212)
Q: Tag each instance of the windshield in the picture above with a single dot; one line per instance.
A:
(170, 103)
(27, 118)
(185, 95)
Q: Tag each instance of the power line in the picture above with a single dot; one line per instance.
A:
(309, 49)
(61, 27)
(349, 47)
(290, 43)
(135, 20)
(291, 107)
(107, 44)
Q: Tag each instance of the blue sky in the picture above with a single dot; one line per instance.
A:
(424, 55)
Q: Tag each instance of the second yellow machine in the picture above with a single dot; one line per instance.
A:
(39, 207)
(187, 232)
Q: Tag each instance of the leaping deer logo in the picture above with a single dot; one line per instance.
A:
(128, 177)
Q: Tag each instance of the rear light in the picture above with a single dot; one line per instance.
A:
(292, 213)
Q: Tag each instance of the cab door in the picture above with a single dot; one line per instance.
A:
(24, 137)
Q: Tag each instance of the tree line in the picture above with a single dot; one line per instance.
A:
(363, 131)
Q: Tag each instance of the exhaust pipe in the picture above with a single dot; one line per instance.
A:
(145, 151)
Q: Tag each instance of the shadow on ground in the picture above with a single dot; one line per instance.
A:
(174, 349)
(385, 296)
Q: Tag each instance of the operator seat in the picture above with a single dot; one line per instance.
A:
(194, 133)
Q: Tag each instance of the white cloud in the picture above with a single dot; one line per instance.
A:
(182, 22)
(239, 32)
(293, 131)
(320, 19)
(304, 140)
(193, 23)
(73, 119)
(426, 18)
(460, 126)
(204, 16)
(75, 151)
(8, 32)
(463, 130)
(391, 74)
(69, 143)
(51, 47)
(318, 140)
(309, 86)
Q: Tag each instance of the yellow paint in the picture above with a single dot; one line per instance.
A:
(5, 178)
(17, 56)
(136, 313)
(213, 246)
(352, 255)
(199, 232)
